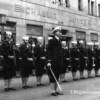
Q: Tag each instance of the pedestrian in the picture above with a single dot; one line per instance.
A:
(7, 51)
(39, 53)
(25, 68)
(82, 62)
(55, 60)
(90, 58)
(74, 59)
(97, 59)
(65, 61)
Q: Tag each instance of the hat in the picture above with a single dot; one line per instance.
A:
(8, 32)
(63, 42)
(25, 37)
(74, 42)
(96, 43)
(81, 41)
(49, 38)
(58, 28)
(40, 39)
(17, 44)
(90, 43)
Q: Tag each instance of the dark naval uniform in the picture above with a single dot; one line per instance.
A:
(82, 57)
(40, 60)
(8, 59)
(65, 60)
(55, 57)
(90, 59)
(97, 61)
(26, 64)
(75, 59)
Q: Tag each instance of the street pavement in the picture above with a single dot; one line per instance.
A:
(86, 89)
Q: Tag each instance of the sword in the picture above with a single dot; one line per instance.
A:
(55, 78)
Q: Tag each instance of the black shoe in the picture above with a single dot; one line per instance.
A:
(40, 84)
(59, 93)
(89, 76)
(12, 89)
(75, 79)
(54, 94)
(6, 89)
(82, 78)
(96, 75)
(25, 87)
(64, 81)
(28, 86)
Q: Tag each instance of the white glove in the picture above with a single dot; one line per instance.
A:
(49, 64)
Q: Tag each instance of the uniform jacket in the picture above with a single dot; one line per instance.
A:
(54, 53)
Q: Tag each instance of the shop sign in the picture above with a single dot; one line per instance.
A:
(35, 10)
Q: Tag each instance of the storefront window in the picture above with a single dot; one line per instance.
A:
(9, 26)
(34, 30)
(94, 37)
(80, 35)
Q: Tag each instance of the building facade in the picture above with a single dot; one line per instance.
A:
(79, 19)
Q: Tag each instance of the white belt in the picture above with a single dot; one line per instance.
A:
(85, 57)
(67, 58)
(43, 57)
(11, 57)
(93, 58)
(30, 59)
(76, 58)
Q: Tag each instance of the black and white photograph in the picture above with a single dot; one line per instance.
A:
(49, 49)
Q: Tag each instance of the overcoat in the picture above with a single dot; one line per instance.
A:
(55, 55)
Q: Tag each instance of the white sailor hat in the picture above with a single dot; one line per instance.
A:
(8, 32)
(96, 43)
(74, 42)
(63, 42)
(58, 28)
(25, 38)
(81, 41)
(49, 38)
(40, 38)
(17, 44)
(90, 43)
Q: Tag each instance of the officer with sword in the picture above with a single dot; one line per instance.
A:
(55, 61)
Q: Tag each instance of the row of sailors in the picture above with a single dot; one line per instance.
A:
(79, 59)
(21, 58)
(32, 55)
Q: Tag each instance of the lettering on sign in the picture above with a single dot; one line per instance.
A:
(36, 11)
(55, 16)
(78, 21)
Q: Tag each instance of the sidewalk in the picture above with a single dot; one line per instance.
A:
(73, 90)
(16, 82)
